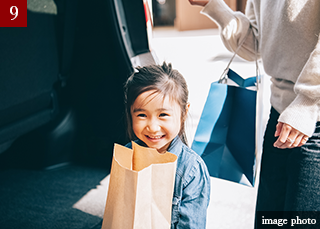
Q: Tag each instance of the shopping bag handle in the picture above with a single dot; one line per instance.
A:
(250, 82)
(235, 77)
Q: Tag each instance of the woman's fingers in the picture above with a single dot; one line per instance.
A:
(297, 141)
(282, 132)
(288, 137)
(278, 129)
(304, 140)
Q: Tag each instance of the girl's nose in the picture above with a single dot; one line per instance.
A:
(153, 126)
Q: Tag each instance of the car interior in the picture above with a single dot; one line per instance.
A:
(61, 107)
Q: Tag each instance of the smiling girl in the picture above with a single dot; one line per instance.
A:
(156, 99)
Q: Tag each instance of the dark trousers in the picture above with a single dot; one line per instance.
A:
(289, 178)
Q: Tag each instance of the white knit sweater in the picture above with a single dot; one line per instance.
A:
(289, 45)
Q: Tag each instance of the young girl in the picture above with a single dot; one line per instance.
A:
(156, 99)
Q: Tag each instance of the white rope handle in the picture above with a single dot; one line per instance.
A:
(224, 74)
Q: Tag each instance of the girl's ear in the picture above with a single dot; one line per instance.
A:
(187, 108)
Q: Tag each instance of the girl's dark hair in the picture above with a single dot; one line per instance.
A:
(161, 79)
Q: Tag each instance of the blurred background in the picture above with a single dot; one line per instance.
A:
(183, 16)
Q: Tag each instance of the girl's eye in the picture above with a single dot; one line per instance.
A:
(163, 115)
(142, 115)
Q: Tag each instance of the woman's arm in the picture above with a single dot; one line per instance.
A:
(301, 115)
(234, 27)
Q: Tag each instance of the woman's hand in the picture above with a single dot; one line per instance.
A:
(288, 137)
(198, 2)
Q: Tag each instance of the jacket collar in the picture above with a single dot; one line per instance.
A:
(175, 146)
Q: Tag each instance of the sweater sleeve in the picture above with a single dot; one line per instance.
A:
(303, 112)
(234, 27)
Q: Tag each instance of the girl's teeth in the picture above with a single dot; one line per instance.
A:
(155, 137)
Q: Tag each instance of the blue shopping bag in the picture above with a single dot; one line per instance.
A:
(226, 134)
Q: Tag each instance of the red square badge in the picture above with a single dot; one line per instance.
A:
(13, 13)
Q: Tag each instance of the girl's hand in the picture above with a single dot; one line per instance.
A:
(198, 2)
(288, 137)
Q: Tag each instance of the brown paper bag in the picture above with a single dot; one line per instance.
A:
(140, 189)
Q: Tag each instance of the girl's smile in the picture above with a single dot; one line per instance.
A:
(155, 138)
(156, 119)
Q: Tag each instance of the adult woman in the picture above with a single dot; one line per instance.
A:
(287, 33)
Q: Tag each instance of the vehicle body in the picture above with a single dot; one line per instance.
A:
(61, 104)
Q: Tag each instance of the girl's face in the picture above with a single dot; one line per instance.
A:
(156, 120)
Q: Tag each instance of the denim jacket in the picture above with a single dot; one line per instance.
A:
(191, 194)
